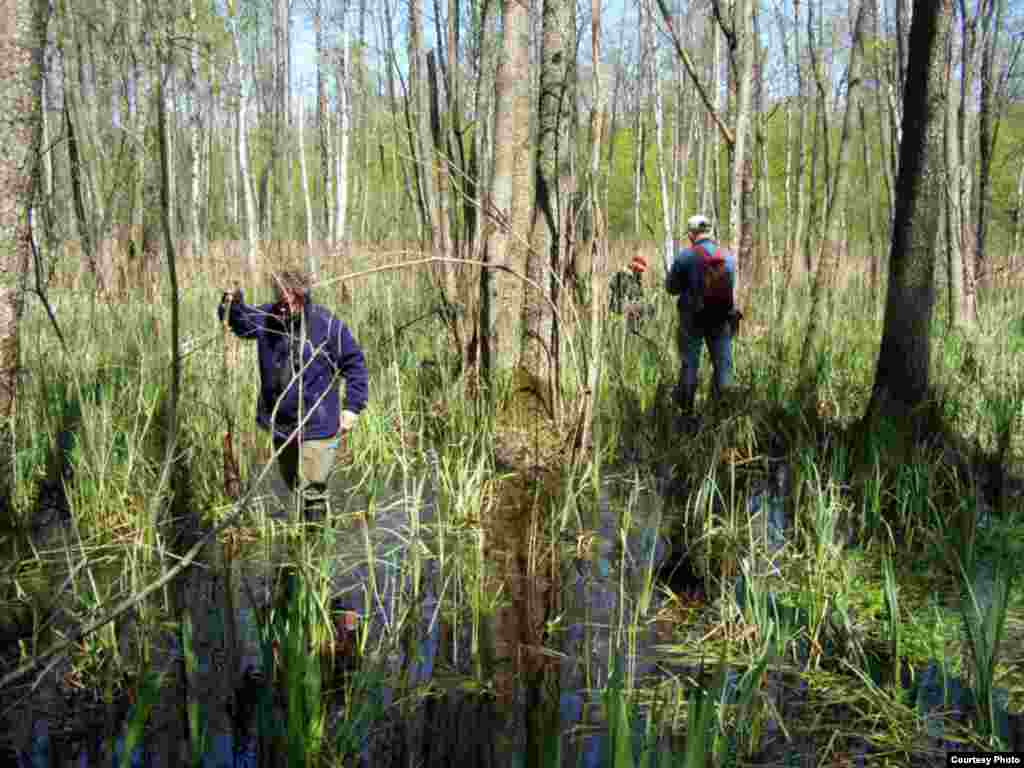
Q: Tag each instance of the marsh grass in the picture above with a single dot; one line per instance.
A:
(878, 532)
(984, 611)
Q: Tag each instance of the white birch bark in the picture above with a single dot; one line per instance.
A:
(710, 204)
(957, 317)
(241, 144)
(312, 264)
(338, 220)
(46, 157)
(195, 123)
(1018, 223)
(743, 88)
(659, 127)
(640, 142)
(231, 178)
(599, 261)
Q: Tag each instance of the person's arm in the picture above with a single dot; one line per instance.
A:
(349, 361)
(675, 277)
(245, 321)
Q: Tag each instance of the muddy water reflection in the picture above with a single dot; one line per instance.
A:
(522, 687)
(547, 645)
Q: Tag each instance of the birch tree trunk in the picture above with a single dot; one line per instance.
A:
(551, 193)
(704, 194)
(312, 262)
(739, 219)
(886, 154)
(874, 255)
(339, 220)
(958, 310)
(410, 174)
(766, 224)
(640, 138)
(46, 179)
(170, 94)
(508, 203)
(787, 184)
(22, 37)
(195, 128)
(477, 164)
(819, 142)
(965, 171)
(85, 151)
(230, 155)
(796, 244)
(283, 183)
(323, 123)
(365, 113)
(1018, 221)
(463, 183)
(707, 190)
(599, 259)
(273, 176)
(136, 129)
(442, 170)
(659, 126)
(419, 117)
(241, 145)
(716, 142)
(59, 211)
(992, 21)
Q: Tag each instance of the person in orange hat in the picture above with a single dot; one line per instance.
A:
(626, 286)
(626, 293)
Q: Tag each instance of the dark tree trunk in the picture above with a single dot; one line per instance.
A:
(901, 378)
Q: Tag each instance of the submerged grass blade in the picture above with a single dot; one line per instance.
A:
(197, 727)
(145, 698)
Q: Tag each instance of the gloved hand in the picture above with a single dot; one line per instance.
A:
(348, 421)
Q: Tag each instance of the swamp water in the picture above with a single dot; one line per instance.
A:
(430, 685)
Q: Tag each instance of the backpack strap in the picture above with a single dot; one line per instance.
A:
(711, 254)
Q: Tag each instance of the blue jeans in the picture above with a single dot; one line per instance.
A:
(690, 340)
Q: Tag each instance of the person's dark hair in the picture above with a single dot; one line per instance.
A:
(293, 281)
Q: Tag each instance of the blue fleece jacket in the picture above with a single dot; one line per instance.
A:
(328, 351)
(683, 276)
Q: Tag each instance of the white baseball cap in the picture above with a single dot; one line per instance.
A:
(698, 223)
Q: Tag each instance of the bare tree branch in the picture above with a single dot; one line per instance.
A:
(692, 70)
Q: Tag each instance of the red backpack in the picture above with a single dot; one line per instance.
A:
(715, 299)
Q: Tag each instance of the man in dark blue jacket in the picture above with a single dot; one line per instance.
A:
(303, 350)
(703, 276)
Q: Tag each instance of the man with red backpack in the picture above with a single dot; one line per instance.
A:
(703, 276)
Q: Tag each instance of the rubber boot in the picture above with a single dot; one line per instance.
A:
(315, 502)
